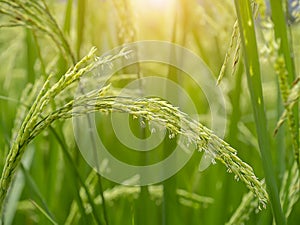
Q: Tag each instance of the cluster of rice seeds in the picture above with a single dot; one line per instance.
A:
(35, 121)
(289, 192)
(292, 99)
(242, 213)
(234, 41)
(34, 14)
(126, 26)
(289, 195)
(161, 112)
(289, 101)
(150, 109)
(289, 95)
(261, 5)
(27, 97)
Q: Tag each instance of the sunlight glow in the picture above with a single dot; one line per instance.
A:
(155, 4)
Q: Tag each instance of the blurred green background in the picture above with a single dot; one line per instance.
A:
(48, 191)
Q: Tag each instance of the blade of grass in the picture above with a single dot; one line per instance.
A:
(77, 174)
(81, 6)
(236, 107)
(34, 189)
(84, 217)
(280, 140)
(16, 191)
(49, 217)
(8, 209)
(62, 65)
(251, 57)
(285, 50)
(281, 33)
(68, 17)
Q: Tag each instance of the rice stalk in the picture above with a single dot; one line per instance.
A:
(234, 40)
(273, 53)
(292, 100)
(130, 192)
(68, 17)
(127, 33)
(283, 36)
(289, 193)
(46, 214)
(261, 5)
(27, 96)
(246, 24)
(45, 96)
(236, 56)
(126, 26)
(35, 15)
(150, 109)
(31, 183)
(281, 71)
(243, 212)
(157, 110)
(81, 14)
(81, 181)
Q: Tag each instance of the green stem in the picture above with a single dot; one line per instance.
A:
(77, 174)
(81, 10)
(248, 36)
(68, 17)
(170, 203)
(285, 49)
(31, 56)
(81, 6)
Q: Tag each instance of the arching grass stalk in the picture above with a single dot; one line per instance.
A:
(34, 14)
(251, 57)
(28, 95)
(157, 110)
(39, 117)
(40, 104)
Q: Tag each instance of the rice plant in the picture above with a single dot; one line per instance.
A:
(69, 69)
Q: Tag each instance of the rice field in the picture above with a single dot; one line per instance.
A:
(140, 112)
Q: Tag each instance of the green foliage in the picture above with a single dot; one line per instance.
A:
(55, 185)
